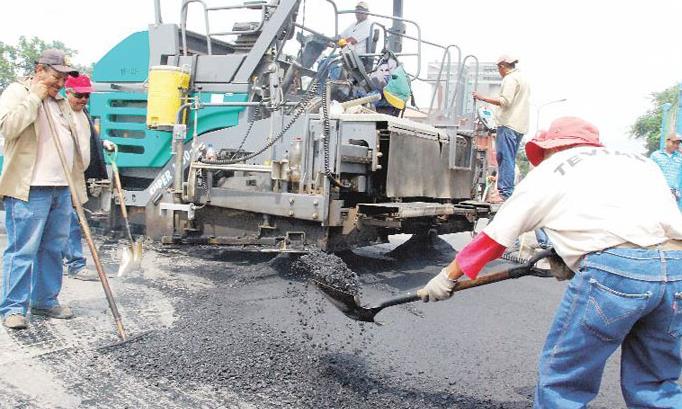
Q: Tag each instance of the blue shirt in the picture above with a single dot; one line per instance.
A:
(670, 164)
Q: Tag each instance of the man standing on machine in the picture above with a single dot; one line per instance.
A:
(511, 116)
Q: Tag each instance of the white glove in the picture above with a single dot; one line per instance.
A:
(439, 288)
(109, 146)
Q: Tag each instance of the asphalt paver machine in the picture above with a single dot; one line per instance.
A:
(228, 137)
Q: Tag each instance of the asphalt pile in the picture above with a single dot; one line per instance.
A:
(269, 357)
(327, 269)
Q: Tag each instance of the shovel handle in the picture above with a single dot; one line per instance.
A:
(84, 225)
(524, 269)
(403, 299)
(119, 192)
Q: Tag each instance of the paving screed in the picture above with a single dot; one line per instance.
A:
(250, 331)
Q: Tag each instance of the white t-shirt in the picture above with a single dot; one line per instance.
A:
(589, 199)
(360, 32)
(48, 169)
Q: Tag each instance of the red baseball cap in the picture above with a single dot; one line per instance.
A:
(80, 84)
(563, 133)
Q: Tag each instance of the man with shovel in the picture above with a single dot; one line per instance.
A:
(627, 288)
(78, 90)
(36, 197)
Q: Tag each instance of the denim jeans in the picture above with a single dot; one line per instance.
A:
(630, 298)
(36, 236)
(506, 145)
(73, 251)
(542, 238)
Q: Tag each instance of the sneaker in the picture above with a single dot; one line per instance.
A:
(59, 312)
(15, 321)
(84, 274)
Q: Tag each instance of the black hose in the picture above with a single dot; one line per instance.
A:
(326, 129)
(298, 110)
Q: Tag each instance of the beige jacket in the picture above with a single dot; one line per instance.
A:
(514, 102)
(18, 115)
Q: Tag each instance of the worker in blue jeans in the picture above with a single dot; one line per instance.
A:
(511, 116)
(78, 90)
(34, 184)
(625, 267)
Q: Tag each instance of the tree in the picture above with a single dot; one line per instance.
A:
(648, 126)
(17, 61)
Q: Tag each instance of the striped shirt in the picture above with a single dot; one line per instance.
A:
(670, 164)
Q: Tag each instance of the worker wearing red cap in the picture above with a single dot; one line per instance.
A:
(78, 90)
(627, 260)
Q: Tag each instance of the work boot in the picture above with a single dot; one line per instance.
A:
(85, 274)
(15, 321)
(59, 312)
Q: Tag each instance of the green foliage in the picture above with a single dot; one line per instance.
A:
(7, 57)
(648, 126)
(18, 60)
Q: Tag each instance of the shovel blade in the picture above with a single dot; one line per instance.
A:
(131, 259)
(347, 303)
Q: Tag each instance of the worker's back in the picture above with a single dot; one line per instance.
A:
(589, 199)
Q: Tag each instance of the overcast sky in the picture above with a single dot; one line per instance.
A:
(604, 57)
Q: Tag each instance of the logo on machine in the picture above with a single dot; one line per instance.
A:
(166, 177)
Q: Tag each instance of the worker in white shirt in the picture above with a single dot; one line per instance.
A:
(626, 256)
(356, 35)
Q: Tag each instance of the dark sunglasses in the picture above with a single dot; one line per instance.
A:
(78, 95)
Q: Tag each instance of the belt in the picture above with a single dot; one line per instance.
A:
(666, 245)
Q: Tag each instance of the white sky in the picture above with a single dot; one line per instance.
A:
(604, 57)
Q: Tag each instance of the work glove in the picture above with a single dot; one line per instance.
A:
(39, 89)
(559, 269)
(439, 288)
(109, 146)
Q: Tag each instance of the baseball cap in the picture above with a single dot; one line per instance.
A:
(57, 60)
(507, 59)
(80, 84)
(673, 136)
(362, 6)
(563, 133)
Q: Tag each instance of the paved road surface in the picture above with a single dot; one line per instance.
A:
(242, 332)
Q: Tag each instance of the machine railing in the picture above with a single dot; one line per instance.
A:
(183, 20)
(446, 105)
(446, 60)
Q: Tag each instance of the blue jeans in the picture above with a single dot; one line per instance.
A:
(630, 298)
(506, 145)
(542, 238)
(36, 236)
(73, 251)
